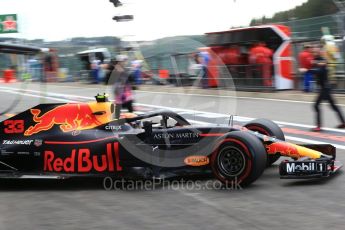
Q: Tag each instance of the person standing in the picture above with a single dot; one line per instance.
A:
(261, 55)
(109, 69)
(267, 66)
(122, 86)
(202, 60)
(331, 54)
(305, 62)
(231, 57)
(95, 67)
(136, 72)
(321, 75)
(252, 60)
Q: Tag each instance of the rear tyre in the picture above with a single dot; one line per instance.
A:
(268, 128)
(239, 159)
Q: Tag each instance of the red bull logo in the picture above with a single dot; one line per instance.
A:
(292, 150)
(283, 148)
(70, 117)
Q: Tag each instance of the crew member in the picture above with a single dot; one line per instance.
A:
(305, 62)
(331, 54)
(232, 58)
(122, 86)
(95, 67)
(202, 59)
(321, 74)
(261, 55)
(136, 71)
(110, 67)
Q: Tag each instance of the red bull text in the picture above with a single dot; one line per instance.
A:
(82, 161)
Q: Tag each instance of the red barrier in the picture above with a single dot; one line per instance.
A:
(9, 75)
(163, 73)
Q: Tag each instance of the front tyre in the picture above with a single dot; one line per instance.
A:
(268, 128)
(240, 158)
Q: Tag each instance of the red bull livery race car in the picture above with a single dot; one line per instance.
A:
(82, 139)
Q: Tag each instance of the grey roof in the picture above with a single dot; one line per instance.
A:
(19, 49)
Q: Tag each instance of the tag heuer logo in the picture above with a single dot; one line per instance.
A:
(38, 143)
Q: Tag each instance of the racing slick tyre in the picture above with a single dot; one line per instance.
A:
(240, 158)
(269, 128)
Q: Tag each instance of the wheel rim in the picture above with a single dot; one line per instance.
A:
(231, 161)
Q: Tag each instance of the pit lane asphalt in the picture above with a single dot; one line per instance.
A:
(270, 203)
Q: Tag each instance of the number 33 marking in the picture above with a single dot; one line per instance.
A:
(14, 126)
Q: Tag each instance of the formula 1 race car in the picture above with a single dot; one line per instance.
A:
(82, 139)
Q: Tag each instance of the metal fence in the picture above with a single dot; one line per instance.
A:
(311, 28)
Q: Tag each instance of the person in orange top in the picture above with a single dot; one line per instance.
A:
(231, 56)
(252, 60)
(267, 65)
(261, 55)
(305, 59)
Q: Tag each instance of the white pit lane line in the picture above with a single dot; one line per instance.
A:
(237, 118)
(37, 96)
(191, 94)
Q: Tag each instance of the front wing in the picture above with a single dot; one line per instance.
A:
(311, 168)
(306, 169)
